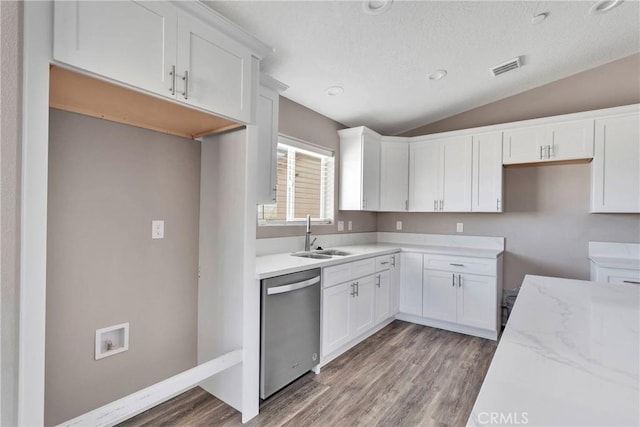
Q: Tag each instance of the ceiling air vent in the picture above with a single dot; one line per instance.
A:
(511, 64)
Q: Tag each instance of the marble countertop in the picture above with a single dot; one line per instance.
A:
(569, 356)
(283, 263)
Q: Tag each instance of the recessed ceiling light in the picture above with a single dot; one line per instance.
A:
(334, 90)
(538, 18)
(437, 75)
(604, 6)
(376, 7)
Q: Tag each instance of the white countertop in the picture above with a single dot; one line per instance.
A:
(569, 355)
(614, 262)
(285, 263)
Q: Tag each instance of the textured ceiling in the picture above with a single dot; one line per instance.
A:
(383, 61)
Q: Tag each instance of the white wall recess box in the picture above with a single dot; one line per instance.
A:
(112, 340)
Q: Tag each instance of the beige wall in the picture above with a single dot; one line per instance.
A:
(303, 123)
(610, 85)
(107, 181)
(10, 123)
(546, 222)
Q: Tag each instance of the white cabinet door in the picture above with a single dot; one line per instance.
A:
(570, 140)
(215, 72)
(615, 175)
(424, 176)
(363, 306)
(486, 192)
(394, 284)
(439, 295)
(523, 145)
(476, 301)
(370, 174)
(411, 284)
(383, 296)
(336, 316)
(128, 41)
(267, 123)
(394, 176)
(456, 174)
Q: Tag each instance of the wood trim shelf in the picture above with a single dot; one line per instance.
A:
(79, 93)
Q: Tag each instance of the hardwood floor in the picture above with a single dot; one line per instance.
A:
(405, 375)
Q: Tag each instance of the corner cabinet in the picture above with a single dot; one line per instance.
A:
(486, 191)
(159, 48)
(267, 115)
(456, 293)
(394, 174)
(359, 170)
(615, 174)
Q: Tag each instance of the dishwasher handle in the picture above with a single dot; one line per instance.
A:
(293, 286)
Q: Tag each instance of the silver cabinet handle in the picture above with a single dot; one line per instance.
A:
(377, 280)
(631, 281)
(453, 280)
(393, 260)
(384, 262)
(498, 205)
(186, 84)
(172, 73)
(541, 148)
(364, 203)
(456, 265)
(293, 286)
(406, 205)
(353, 290)
(357, 289)
(459, 281)
(435, 205)
(549, 151)
(441, 205)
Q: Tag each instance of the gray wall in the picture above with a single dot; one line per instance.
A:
(610, 85)
(303, 123)
(10, 123)
(546, 222)
(107, 181)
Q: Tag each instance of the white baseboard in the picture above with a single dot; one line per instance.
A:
(138, 402)
(454, 327)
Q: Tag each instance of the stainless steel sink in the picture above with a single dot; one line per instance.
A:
(311, 255)
(334, 252)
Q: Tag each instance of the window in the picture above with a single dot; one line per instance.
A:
(304, 185)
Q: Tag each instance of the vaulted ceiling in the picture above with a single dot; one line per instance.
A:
(383, 61)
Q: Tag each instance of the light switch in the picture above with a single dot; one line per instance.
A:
(459, 227)
(340, 225)
(157, 229)
(398, 225)
(349, 225)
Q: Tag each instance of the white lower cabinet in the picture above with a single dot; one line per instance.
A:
(394, 284)
(456, 293)
(357, 297)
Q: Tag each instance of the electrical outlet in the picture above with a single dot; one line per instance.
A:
(398, 225)
(340, 225)
(459, 227)
(157, 229)
(350, 225)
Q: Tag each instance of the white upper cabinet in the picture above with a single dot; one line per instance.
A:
(159, 48)
(394, 175)
(359, 170)
(615, 175)
(486, 192)
(553, 142)
(131, 42)
(267, 114)
(440, 175)
(214, 71)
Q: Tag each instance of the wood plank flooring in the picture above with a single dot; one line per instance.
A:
(405, 375)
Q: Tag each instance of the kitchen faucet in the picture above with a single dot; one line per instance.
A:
(307, 237)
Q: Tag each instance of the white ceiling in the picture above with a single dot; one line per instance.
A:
(383, 61)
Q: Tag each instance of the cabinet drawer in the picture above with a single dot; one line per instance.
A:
(620, 275)
(383, 262)
(461, 264)
(347, 271)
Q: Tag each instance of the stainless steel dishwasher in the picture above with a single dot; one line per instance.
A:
(289, 328)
